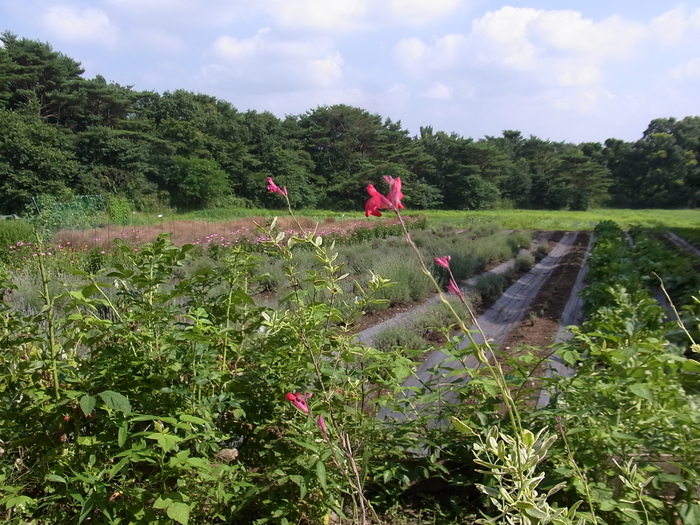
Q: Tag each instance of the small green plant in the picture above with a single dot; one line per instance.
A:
(524, 263)
(119, 210)
(490, 286)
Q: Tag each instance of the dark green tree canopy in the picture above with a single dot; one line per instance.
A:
(63, 134)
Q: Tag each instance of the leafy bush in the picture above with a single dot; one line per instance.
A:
(119, 210)
(490, 286)
(524, 262)
(11, 232)
(402, 337)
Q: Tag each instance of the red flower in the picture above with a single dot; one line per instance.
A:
(299, 401)
(321, 424)
(394, 196)
(452, 287)
(274, 188)
(376, 202)
(443, 261)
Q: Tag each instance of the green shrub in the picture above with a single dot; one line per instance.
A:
(411, 283)
(524, 262)
(13, 231)
(491, 286)
(119, 210)
(519, 240)
(401, 336)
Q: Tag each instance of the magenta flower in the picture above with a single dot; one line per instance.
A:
(299, 401)
(376, 202)
(443, 261)
(394, 196)
(321, 424)
(274, 188)
(452, 287)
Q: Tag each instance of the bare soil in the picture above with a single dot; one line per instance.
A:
(542, 318)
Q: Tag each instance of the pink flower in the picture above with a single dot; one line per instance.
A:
(452, 287)
(299, 401)
(274, 188)
(376, 202)
(443, 261)
(321, 424)
(394, 196)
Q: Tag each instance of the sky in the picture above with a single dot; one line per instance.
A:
(561, 70)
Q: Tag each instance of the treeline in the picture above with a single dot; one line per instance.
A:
(64, 135)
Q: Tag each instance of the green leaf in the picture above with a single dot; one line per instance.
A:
(321, 473)
(161, 503)
(56, 478)
(192, 419)
(691, 365)
(87, 404)
(641, 390)
(122, 433)
(116, 401)
(462, 427)
(165, 441)
(179, 512)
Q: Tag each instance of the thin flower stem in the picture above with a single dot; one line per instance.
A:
(580, 474)
(494, 367)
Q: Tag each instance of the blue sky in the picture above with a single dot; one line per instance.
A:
(562, 70)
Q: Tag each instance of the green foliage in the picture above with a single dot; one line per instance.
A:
(34, 159)
(145, 394)
(401, 337)
(524, 262)
(197, 182)
(48, 214)
(13, 231)
(119, 210)
(491, 286)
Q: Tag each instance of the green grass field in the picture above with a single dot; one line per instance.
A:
(508, 219)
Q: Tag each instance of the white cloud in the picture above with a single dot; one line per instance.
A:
(420, 58)
(273, 63)
(503, 36)
(611, 38)
(183, 13)
(333, 15)
(675, 26)
(87, 25)
(419, 12)
(583, 100)
(439, 91)
(688, 71)
(327, 71)
(523, 37)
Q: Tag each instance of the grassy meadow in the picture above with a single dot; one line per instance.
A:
(508, 219)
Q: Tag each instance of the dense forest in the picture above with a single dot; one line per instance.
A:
(64, 135)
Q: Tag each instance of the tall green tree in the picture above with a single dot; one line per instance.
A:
(196, 183)
(351, 148)
(35, 158)
(38, 78)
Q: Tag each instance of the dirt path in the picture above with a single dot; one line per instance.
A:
(367, 335)
(683, 243)
(497, 323)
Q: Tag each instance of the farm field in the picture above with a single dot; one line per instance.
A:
(232, 225)
(227, 381)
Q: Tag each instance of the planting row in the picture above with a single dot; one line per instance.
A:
(628, 413)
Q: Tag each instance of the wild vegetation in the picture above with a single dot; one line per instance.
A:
(153, 388)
